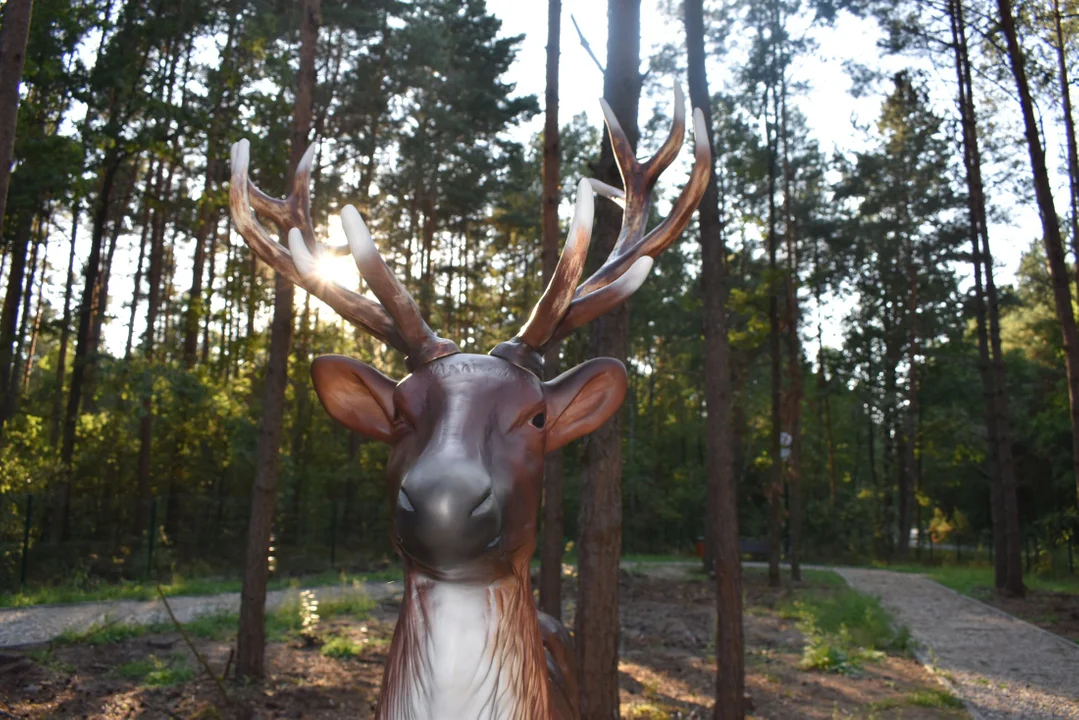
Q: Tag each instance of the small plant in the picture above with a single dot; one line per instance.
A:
(155, 672)
(935, 699)
(101, 634)
(341, 647)
(46, 657)
(309, 618)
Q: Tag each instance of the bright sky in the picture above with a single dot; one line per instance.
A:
(831, 111)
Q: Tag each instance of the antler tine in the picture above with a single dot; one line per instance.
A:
(295, 210)
(299, 267)
(424, 345)
(632, 242)
(556, 299)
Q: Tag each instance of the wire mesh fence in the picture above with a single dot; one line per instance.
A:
(111, 538)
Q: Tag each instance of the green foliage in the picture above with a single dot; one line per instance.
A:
(934, 699)
(101, 634)
(844, 629)
(341, 647)
(152, 671)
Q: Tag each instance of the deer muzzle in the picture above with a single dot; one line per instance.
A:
(447, 513)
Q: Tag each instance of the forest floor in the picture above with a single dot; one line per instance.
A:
(815, 650)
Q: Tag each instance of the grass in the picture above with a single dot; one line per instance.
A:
(178, 585)
(844, 629)
(934, 699)
(154, 672)
(101, 634)
(341, 647)
(977, 580)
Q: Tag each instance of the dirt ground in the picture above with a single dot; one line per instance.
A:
(667, 669)
(1056, 612)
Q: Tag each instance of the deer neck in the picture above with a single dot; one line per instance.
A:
(469, 651)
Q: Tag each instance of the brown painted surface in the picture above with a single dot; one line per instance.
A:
(469, 434)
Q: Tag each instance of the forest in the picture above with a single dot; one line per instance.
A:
(829, 367)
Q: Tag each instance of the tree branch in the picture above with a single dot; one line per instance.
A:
(586, 46)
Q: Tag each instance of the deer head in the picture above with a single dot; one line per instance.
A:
(469, 432)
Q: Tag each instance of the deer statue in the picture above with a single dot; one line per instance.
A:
(469, 434)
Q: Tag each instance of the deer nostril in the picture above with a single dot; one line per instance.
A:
(485, 504)
(403, 502)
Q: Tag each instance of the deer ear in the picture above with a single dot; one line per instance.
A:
(582, 399)
(355, 395)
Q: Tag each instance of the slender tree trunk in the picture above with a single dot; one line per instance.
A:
(550, 585)
(600, 520)
(719, 448)
(62, 499)
(793, 405)
(9, 319)
(1069, 132)
(153, 307)
(14, 33)
(910, 419)
(34, 333)
(1054, 246)
(65, 334)
(251, 639)
(13, 382)
(775, 485)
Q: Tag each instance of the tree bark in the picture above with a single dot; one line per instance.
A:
(599, 543)
(65, 334)
(14, 34)
(1054, 247)
(550, 585)
(9, 318)
(251, 638)
(1009, 570)
(792, 317)
(719, 449)
(1069, 133)
(775, 486)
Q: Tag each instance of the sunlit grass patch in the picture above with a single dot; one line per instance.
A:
(101, 634)
(844, 629)
(152, 671)
(936, 698)
(219, 626)
(341, 647)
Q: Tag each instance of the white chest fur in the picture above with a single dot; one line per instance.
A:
(461, 657)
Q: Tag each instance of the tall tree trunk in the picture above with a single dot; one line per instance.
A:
(14, 33)
(65, 334)
(775, 484)
(792, 318)
(1054, 247)
(208, 207)
(251, 638)
(149, 341)
(599, 525)
(550, 585)
(719, 448)
(62, 497)
(12, 385)
(1010, 544)
(1069, 132)
(35, 330)
(910, 417)
(9, 318)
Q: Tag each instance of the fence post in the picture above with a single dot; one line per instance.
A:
(150, 539)
(333, 534)
(26, 540)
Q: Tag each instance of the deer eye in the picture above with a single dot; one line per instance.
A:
(539, 420)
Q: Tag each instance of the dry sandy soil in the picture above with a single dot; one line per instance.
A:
(666, 672)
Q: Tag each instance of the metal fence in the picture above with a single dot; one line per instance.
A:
(185, 534)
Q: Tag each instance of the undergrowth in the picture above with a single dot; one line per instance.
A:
(844, 630)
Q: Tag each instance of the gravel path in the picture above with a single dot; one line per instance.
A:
(1001, 666)
(26, 626)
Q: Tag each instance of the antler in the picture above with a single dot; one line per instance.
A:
(566, 306)
(396, 322)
